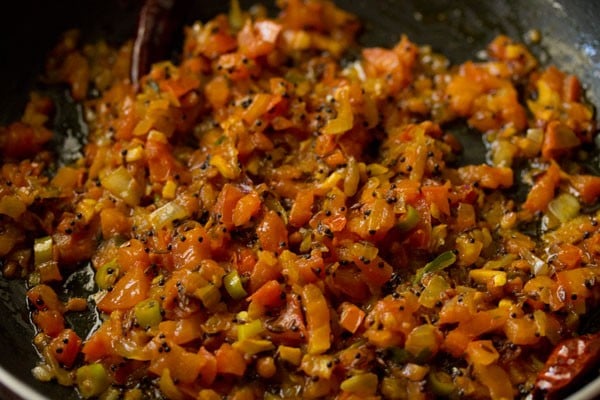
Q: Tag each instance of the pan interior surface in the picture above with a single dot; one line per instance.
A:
(458, 29)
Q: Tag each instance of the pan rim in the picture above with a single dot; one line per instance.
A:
(17, 387)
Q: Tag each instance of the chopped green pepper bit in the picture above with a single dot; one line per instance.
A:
(147, 313)
(410, 220)
(440, 383)
(92, 380)
(234, 286)
(442, 261)
(107, 275)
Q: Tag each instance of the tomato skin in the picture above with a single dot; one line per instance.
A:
(189, 253)
(291, 326)
(230, 361)
(269, 294)
(542, 191)
(113, 222)
(98, 345)
(558, 140)
(51, 322)
(76, 246)
(487, 176)
(43, 297)
(258, 39)
(225, 205)
(161, 162)
(245, 209)
(301, 210)
(272, 233)
(133, 256)
(65, 347)
(437, 195)
(128, 291)
(263, 271)
(351, 316)
(317, 319)
(184, 330)
(588, 187)
(183, 365)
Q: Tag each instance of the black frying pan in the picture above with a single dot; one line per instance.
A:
(458, 29)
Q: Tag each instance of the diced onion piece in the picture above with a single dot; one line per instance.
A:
(376, 169)
(364, 251)
(483, 276)
(393, 387)
(344, 120)
(536, 136)
(134, 154)
(167, 214)
(12, 206)
(500, 263)
(482, 352)
(209, 295)
(293, 355)
(364, 384)
(564, 207)
(169, 190)
(351, 178)
(121, 184)
(317, 365)
(253, 346)
(538, 266)
(415, 372)
(43, 373)
(168, 387)
(226, 167)
(42, 250)
(87, 209)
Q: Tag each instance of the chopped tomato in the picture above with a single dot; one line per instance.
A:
(128, 291)
(65, 347)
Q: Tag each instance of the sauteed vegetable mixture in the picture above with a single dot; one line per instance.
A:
(282, 214)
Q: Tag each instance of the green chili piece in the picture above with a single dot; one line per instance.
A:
(421, 342)
(147, 313)
(92, 380)
(107, 275)
(442, 261)
(440, 383)
(234, 286)
(410, 220)
(249, 330)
